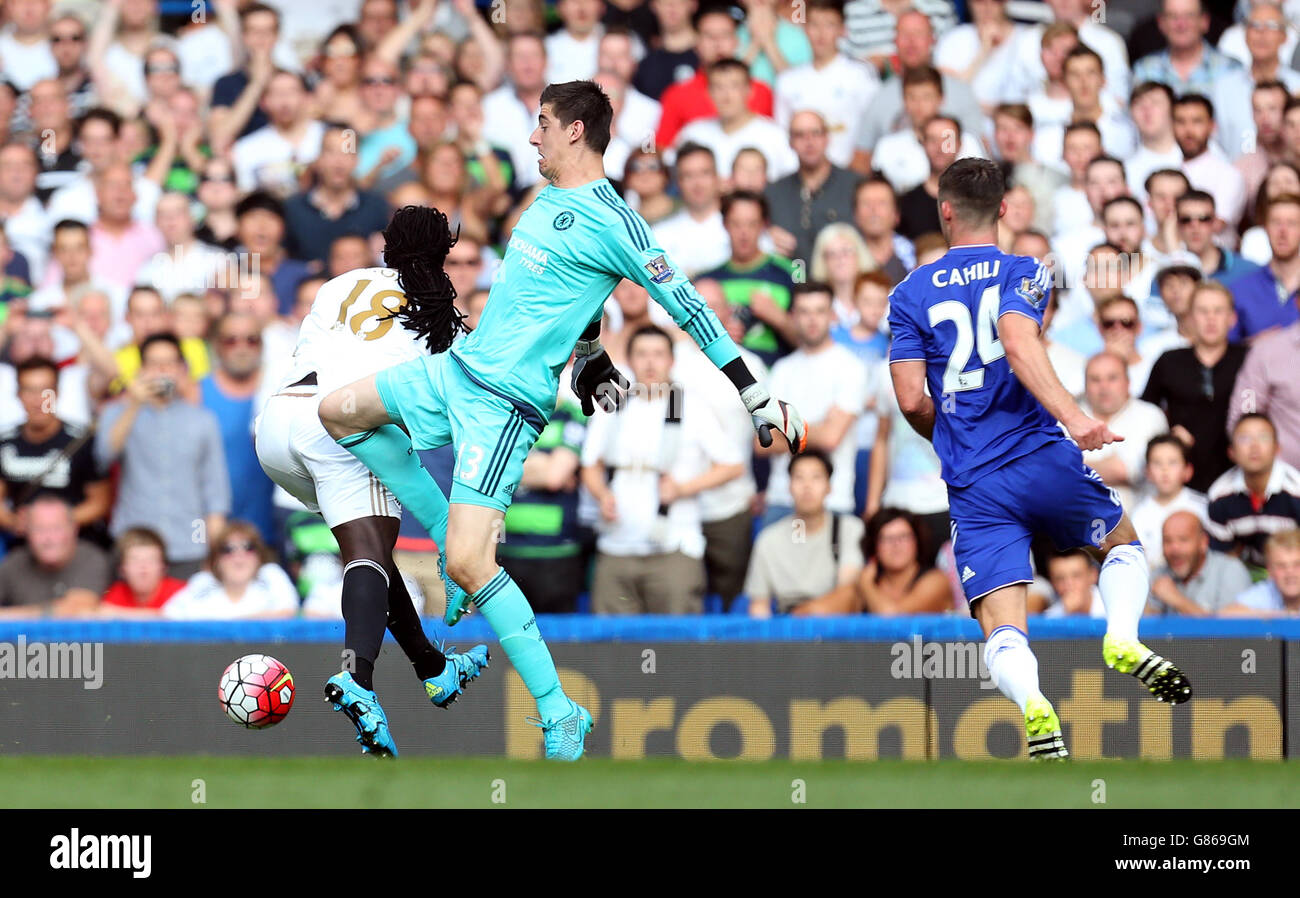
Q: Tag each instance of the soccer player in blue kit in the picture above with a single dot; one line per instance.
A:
(967, 326)
(490, 394)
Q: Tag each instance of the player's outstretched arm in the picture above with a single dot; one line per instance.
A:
(1029, 362)
(632, 253)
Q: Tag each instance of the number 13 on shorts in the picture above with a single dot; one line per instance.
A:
(468, 460)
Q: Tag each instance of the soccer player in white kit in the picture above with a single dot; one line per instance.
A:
(348, 335)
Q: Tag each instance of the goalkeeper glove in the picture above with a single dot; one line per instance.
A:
(768, 413)
(594, 376)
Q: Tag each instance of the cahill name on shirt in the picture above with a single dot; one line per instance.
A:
(960, 277)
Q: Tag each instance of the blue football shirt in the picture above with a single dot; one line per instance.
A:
(946, 315)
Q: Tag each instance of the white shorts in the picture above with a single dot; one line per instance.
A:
(297, 453)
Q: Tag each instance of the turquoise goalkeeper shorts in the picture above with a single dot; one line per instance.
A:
(439, 402)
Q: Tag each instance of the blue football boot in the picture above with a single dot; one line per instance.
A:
(461, 668)
(361, 706)
(565, 737)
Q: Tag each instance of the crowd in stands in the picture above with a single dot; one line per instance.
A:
(177, 180)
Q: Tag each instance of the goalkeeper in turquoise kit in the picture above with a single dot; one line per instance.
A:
(491, 394)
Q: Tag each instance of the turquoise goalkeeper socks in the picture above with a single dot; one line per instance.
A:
(503, 605)
(388, 452)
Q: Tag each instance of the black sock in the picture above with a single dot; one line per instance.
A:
(404, 624)
(365, 603)
(364, 675)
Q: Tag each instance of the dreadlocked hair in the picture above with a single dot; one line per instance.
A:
(416, 243)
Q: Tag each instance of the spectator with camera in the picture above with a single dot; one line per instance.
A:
(173, 468)
(808, 562)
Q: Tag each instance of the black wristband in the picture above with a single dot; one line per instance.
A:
(738, 374)
(592, 331)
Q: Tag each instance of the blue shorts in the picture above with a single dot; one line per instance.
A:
(1050, 491)
(438, 403)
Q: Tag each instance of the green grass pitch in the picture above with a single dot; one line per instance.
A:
(425, 782)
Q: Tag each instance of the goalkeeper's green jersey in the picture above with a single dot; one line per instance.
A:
(569, 250)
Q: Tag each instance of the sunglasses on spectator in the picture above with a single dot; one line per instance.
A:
(236, 339)
(1127, 323)
(1199, 219)
(219, 179)
(162, 68)
(375, 82)
(233, 548)
(1265, 26)
(67, 38)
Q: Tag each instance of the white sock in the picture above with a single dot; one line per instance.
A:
(1012, 665)
(1124, 583)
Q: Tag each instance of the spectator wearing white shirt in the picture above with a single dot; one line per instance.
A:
(572, 52)
(273, 156)
(99, 140)
(1067, 363)
(900, 156)
(1168, 468)
(1013, 138)
(695, 237)
(187, 265)
(1268, 103)
(1204, 163)
(985, 52)
(1266, 29)
(887, 113)
(1081, 16)
(828, 385)
(25, 44)
(638, 115)
(240, 582)
(1123, 226)
(1152, 110)
(735, 126)
(832, 84)
(510, 112)
(1085, 80)
(725, 511)
(1107, 399)
(1080, 144)
(26, 223)
(1279, 595)
(646, 466)
(1103, 182)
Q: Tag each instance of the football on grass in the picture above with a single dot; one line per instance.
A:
(256, 691)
